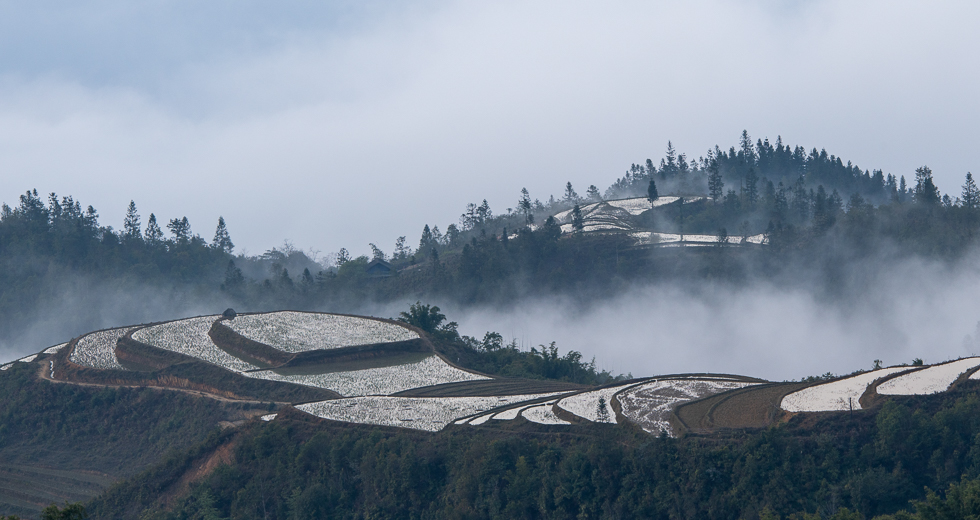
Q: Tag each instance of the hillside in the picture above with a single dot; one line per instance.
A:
(810, 211)
(184, 402)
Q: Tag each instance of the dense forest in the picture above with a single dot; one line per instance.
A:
(913, 458)
(818, 213)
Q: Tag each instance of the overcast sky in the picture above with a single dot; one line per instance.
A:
(337, 124)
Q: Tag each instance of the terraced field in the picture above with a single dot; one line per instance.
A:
(294, 332)
(931, 380)
(418, 413)
(650, 405)
(98, 349)
(754, 406)
(429, 371)
(24, 490)
(841, 395)
(374, 371)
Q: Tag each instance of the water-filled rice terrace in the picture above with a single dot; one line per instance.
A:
(354, 369)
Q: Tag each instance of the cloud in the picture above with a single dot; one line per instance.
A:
(908, 309)
(334, 126)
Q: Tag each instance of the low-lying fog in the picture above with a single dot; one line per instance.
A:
(913, 309)
(917, 310)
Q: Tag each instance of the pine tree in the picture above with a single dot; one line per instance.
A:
(570, 195)
(926, 191)
(747, 151)
(181, 229)
(131, 224)
(153, 233)
(971, 195)
(716, 185)
(751, 188)
(524, 206)
(222, 240)
(602, 412)
(668, 167)
(652, 194)
(234, 278)
(593, 193)
(578, 222)
(426, 241)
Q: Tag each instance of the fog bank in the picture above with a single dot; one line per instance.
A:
(918, 309)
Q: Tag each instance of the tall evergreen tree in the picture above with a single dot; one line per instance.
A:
(181, 229)
(716, 185)
(926, 191)
(153, 233)
(578, 222)
(751, 192)
(747, 152)
(971, 195)
(652, 194)
(668, 166)
(593, 194)
(222, 240)
(426, 241)
(524, 206)
(131, 224)
(570, 195)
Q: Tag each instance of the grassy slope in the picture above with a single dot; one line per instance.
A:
(67, 442)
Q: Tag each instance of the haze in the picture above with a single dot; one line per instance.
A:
(334, 125)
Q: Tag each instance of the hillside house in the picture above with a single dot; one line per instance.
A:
(379, 268)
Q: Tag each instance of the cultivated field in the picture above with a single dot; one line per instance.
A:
(98, 349)
(190, 337)
(633, 206)
(379, 381)
(841, 395)
(755, 406)
(650, 404)
(419, 413)
(370, 371)
(649, 238)
(931, 380)
(543, 414)
(595, 406)
(303, 331)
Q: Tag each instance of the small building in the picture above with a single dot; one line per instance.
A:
(378, 268)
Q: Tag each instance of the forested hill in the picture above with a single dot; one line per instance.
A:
(60, 266)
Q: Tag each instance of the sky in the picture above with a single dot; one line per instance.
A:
(336, 124)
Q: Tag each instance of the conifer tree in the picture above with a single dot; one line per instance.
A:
(426, 241)
(153, 233)
(222, 240)
(716, 185)
(926, 191)
(570, 195)
(602, 412)
(578, 222)
(131, 224)
(668, 166)
(593, 193)
(652, 194)
(524, 206)
(971, 195)
(181, 229)
(751, 192)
